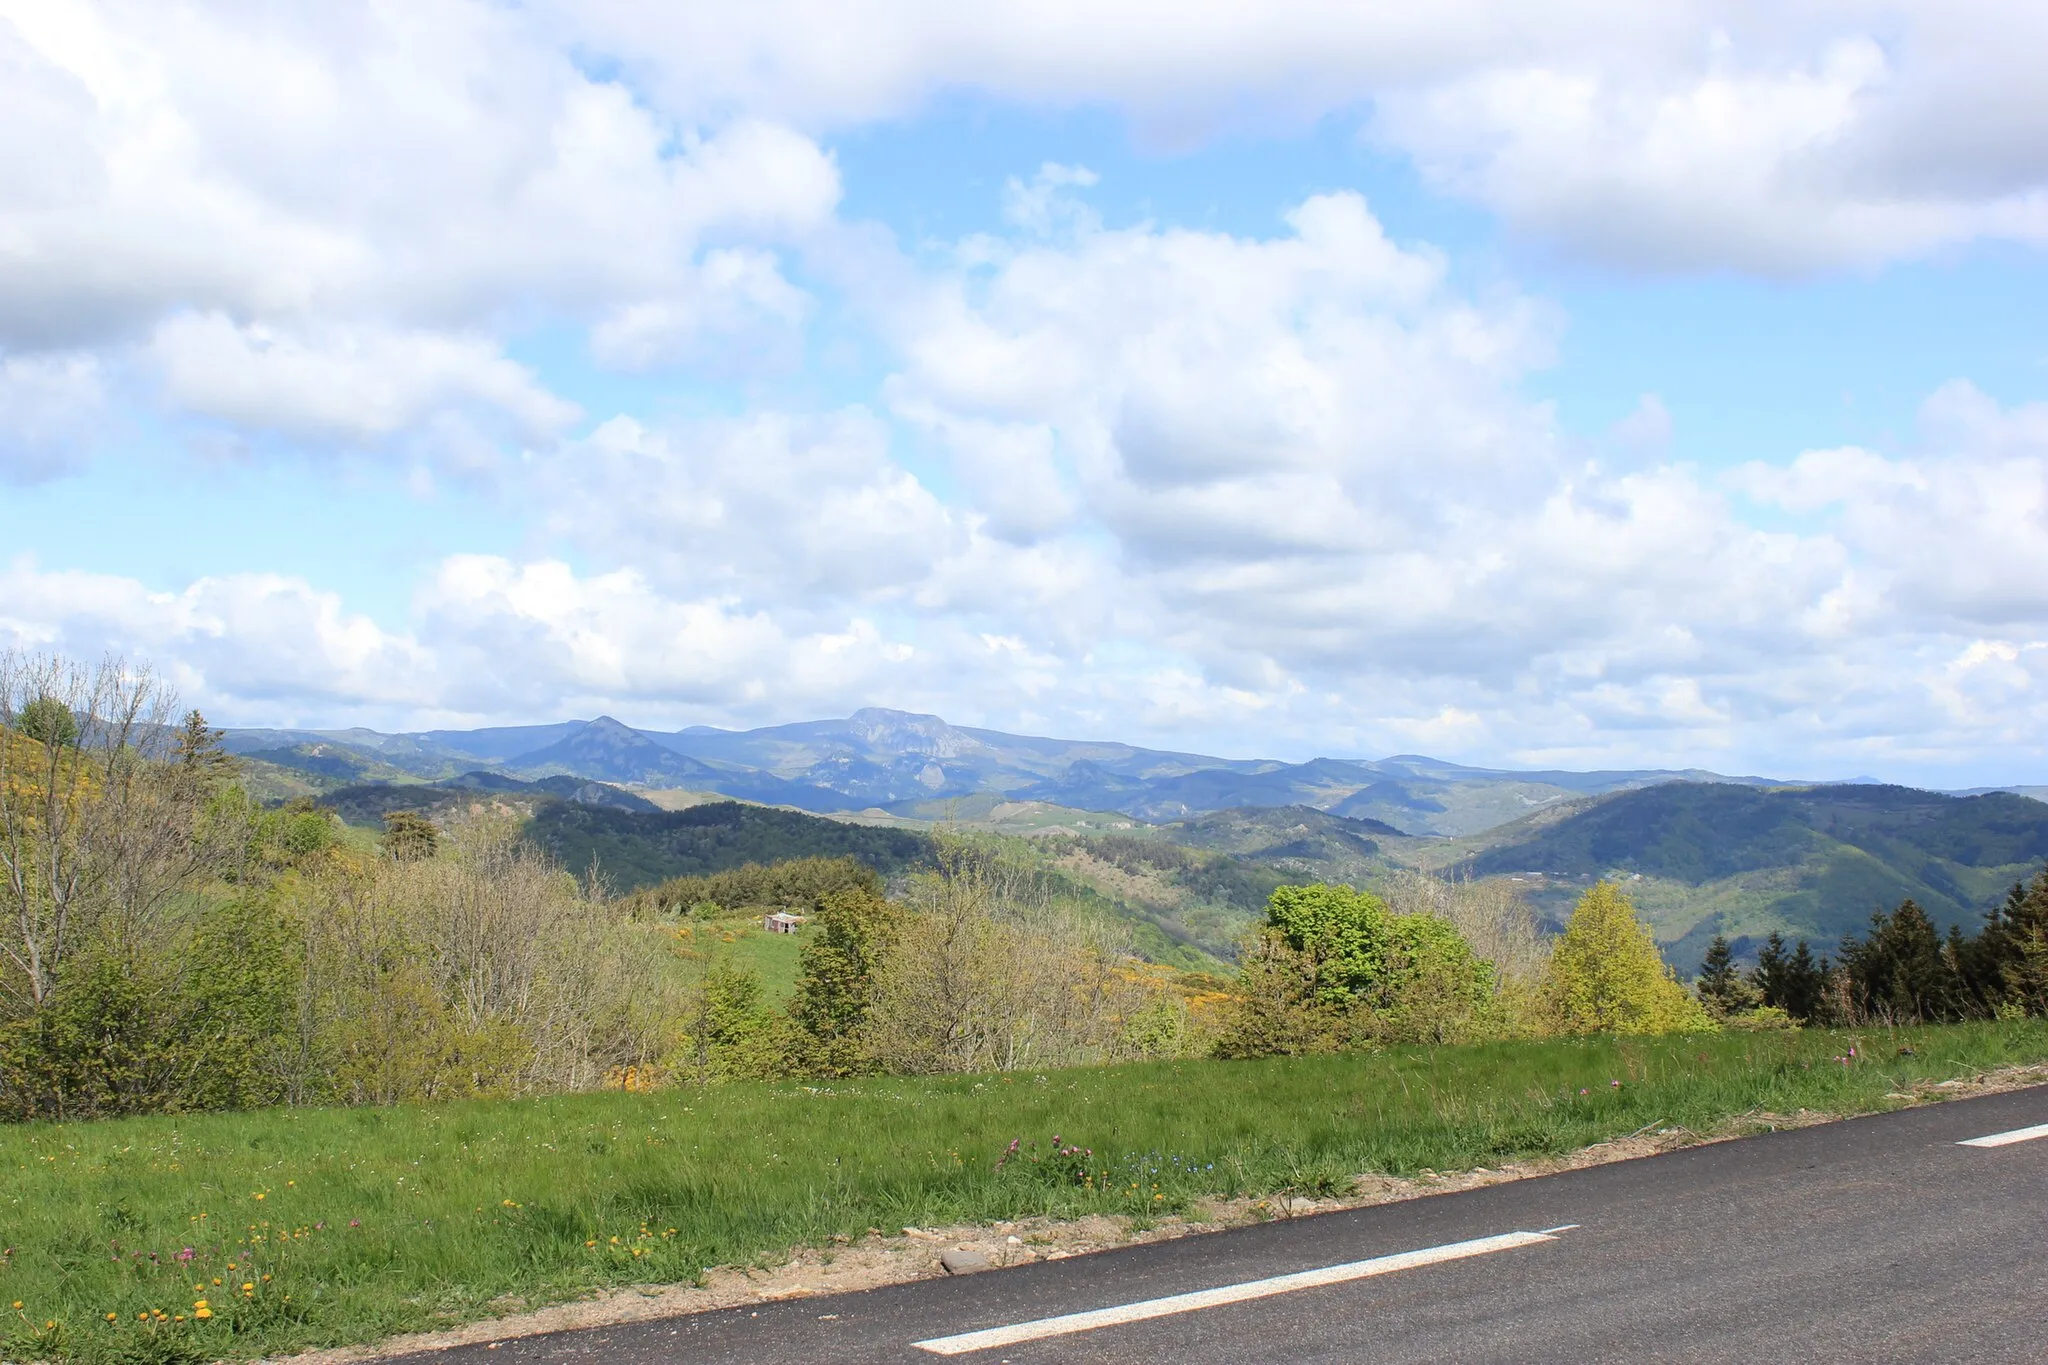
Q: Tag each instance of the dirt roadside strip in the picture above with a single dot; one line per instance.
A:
(914, 1253)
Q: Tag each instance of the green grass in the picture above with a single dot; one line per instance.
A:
(369, 1222)
(740, 940)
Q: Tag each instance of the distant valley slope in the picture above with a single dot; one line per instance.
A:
(893, 761)
(1188, 844)
(1706, 858)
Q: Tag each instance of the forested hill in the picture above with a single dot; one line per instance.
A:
(1816, 860)
(639, 848)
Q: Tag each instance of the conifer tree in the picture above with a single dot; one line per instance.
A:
(1606, 975)
(1790, 981)
(409, 835)
(1900, 972)
(1720, 987)
(197, 747)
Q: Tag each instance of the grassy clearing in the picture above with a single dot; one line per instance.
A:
(348, 1225)
(740, 940)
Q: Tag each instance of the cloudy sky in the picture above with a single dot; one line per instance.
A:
(1579, 382)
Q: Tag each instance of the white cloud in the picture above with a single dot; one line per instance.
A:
(1697, 135)
(52, 407)
(330, 221)
(345, 384)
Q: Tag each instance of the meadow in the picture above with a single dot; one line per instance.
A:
(234, 1235)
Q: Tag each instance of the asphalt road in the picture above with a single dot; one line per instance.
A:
(1877, 1239)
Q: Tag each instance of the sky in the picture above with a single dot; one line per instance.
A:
(1566, 383)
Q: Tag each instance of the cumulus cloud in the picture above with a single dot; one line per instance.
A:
(52, 407)
(312, 220)
(1699, 135)
(346, 384)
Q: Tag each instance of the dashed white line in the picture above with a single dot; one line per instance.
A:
(2039, 1130)
(1069, 1323)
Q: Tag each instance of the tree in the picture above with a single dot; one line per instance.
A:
(839, 978)
(1345, 934)
(1721, 987)
(1334, 968)
(197, 747)
(1899, 972)
(1606, 975)
(2006, 965)
(99, 834)
(410, 836)
(1792, 982)
(48, 720)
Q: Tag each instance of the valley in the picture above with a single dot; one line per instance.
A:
(1184, 848)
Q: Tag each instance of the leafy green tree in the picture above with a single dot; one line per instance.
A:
(1606, 975)
(239, 1023)
(1334, 968)
(410, 836)
(48, 720)
(1436, 988)
(839, 975)
(732, 1033)
(1900, 972)
(1345, 934)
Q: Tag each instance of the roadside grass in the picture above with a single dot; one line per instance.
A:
(301, 1228)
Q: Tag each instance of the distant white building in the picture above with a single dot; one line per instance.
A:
(781, 922)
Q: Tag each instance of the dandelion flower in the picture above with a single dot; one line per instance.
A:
(202, 1312)
(112, 1316)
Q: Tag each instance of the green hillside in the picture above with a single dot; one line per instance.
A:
(1814, 862)
(636, 848)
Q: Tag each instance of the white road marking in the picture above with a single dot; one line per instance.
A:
(2039, 1130)
(1069, 1323)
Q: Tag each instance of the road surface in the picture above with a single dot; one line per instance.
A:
(1875, 1239)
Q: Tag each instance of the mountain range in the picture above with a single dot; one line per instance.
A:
(894, 761)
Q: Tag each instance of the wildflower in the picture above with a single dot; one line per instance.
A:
(112, 1316)
(199, 1303)
(186, 1254)
(355, 1222)
(247, 1288)
(202, 1313)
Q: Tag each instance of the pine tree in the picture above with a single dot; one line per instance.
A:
(1899, 972)
(409, 835)
(1803, 984)
(48, 719)
(2008, 963)
(197, 747)
(1606, 975)
(1721, 988)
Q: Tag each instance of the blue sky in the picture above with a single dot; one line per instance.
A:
(1615, 389)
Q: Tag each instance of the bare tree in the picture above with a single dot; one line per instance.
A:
(991, 973)
(98, 830)
(1492, 916)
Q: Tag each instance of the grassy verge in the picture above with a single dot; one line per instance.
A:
(310, 1227)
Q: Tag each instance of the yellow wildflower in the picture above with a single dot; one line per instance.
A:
(202, 1312)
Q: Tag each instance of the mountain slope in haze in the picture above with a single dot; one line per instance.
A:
(897, 761)
(1814, 862)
